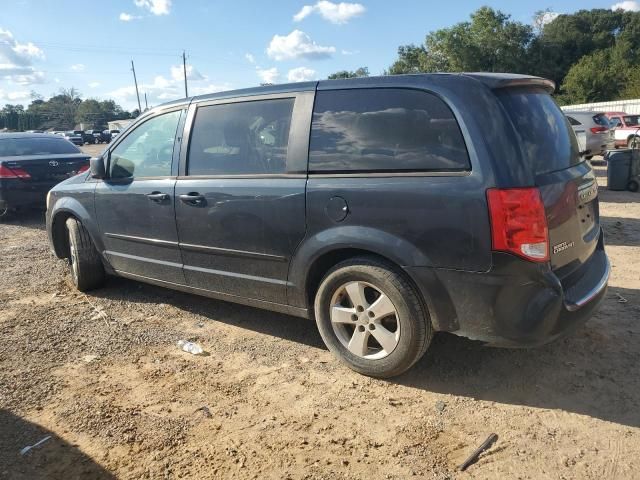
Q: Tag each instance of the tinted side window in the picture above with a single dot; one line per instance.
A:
(148, 150)
(241, 138)
(573, 121)
(383, 130)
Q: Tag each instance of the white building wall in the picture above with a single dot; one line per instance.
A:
(628, 106)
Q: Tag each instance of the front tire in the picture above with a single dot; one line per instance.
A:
(87, 271)
(371, 318)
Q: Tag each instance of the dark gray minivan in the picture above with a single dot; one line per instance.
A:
(386, 208)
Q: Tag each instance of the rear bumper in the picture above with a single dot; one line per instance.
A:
(599, 144)
(17, 193)
(517, 303)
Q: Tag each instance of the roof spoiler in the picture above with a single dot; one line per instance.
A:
(511, 80)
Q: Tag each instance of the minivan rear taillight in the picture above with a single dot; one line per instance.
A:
(519, 223)
(599, 129)
(6, 172)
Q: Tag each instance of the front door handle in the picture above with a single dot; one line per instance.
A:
(192, 198)
(157, 196)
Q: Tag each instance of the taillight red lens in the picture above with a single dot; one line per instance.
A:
(519, 223)
(598, 129)
(6, 172)
(83, 169)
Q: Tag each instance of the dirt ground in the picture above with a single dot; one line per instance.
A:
(102, 376)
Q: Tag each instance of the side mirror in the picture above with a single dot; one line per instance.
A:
(97, 167)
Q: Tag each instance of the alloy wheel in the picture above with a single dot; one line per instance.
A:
(365, 320)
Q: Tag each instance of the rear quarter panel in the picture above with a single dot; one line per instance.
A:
(427, 220)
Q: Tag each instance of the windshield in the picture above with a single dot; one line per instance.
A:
(632, 120)
(547, 139)
(14, 147)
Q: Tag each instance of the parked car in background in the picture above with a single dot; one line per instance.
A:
(595, 126)
(95, 136)
(386, 208)
(114, 134)
(106, 136)
(32, 163)
(74, 138)
(626, 129)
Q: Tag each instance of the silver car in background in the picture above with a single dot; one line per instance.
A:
(596, 130)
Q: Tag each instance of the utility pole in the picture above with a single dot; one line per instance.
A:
(133, 69)
(184, 67)
(146, 105)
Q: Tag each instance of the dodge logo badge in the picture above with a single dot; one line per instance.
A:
(53, 163)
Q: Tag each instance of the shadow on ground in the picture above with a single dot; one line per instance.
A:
(54, 459)
(592, 372)
(32, 218)
(621, 231)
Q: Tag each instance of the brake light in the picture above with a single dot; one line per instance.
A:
(83, 169)
(6, 172)
(598, 129)
(519, 223)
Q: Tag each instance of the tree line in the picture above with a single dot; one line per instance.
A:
(592, 55)
(62, 111)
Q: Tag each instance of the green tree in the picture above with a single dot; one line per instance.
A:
(360, 72)
(601, 76)
(490, 41)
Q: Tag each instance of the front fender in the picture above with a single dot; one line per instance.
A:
(80, 207)
(342, 237)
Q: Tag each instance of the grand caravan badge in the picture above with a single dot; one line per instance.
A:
(561, 247)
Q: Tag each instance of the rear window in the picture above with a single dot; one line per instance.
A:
(547, 140)
(384, 130)
(14, 147)
(601, 119)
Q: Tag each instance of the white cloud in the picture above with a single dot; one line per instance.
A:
(94, 84)
(546, 17)
(250, 58)
(301, 74)
(16, 60)
(297, 45)
(350, 52)
(628, 5)
(337, 13)
(177, 73)
(77, 67)
(165, 87)
(127, 17)
(268, 75)
(209, 88)
(16, 97)
(157, 7)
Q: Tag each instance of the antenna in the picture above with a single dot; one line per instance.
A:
(146, 105)
(184, 68)
(133, 69)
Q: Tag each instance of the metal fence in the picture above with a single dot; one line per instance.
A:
(627, 106)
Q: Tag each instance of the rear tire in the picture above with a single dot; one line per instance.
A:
(87, 271)
(371, 318)
(633, 186)
(633, 142)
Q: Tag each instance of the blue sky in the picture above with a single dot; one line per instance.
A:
(49, 44)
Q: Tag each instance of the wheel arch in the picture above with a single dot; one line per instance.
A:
(64, 209)
(319, 254)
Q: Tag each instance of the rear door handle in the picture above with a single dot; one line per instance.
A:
(192, 198)
(158, 197)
